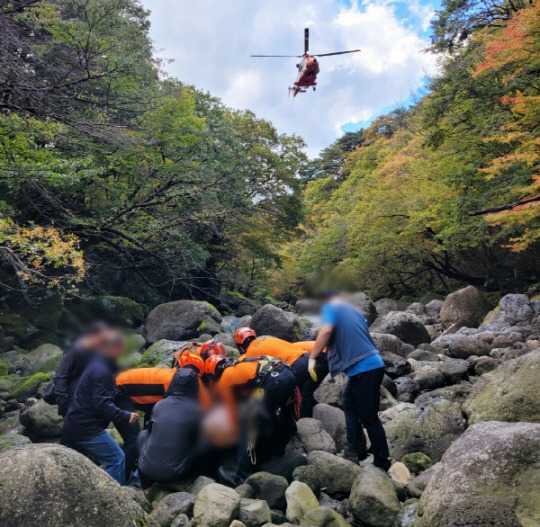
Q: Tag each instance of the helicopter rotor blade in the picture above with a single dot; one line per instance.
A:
(306, 40)
(296, 56)
(337, 53)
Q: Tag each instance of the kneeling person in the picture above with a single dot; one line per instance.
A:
(169, 446)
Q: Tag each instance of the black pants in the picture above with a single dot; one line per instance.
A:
(361, 397)
(275, 420)
(306, 384)
(129, 433)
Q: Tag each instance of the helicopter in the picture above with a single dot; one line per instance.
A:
(308, 67)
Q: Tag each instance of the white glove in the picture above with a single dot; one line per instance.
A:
(311, 369)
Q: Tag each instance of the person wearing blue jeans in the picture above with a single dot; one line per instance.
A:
(351, 350)
(93, 408)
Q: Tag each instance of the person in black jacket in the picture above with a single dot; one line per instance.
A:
(168, 448)
(75, 359)
(93, 408)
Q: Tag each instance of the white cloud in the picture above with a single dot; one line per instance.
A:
(211, 40)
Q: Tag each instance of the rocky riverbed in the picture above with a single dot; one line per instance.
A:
(460, 405)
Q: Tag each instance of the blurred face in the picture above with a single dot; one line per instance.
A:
(114, 344)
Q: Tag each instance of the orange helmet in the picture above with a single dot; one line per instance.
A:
(212, 347)
(191, 360)
(242, 334)
(211, 364)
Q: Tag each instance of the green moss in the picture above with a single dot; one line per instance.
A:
(237, 294)
(4, 368)
(534, 298)
(50, 365)
(28, 386)
(202, 326)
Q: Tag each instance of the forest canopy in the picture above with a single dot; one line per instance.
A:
(116, 179)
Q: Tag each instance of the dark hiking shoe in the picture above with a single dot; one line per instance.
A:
(353, 455)
(230, 477)
(382, 463)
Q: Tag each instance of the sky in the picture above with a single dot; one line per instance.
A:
(208, 43)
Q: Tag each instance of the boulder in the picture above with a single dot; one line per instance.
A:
(199, 484)
(465, 347)
(42, 420)
(417, 485)
(323, 517)
(430, 428)
(395, 366)
(180, 320)
(34, 476)
(364, 304)
(183, 521)
(491, 460)
(330, 391)
(244, 490)
(512, 310)
(510, 393)
(28, 386)
(466, 307)
(117, 310)
(390, 343)
(284, 465)
(161, 352)
(168, 509)
(406, 385)
(457, 393)
(12, 439)
(485, 365)
(271, 320)
(454, 370)
(428, 378)
(406, 326)
(17, 327)
(268, 487)
(333, 421)
(310, 435)
(44, 358)
(433, 308)
(416, 462)
(399, 473)
(254, 513)
(328, 471)
(300, 500)
(234, 302)
(373, 499)
(216, 506)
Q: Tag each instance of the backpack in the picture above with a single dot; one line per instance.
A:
(49, 396)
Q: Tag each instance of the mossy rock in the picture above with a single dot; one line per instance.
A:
(416, 462)
(44, 358)
(4, 368)
(28, 386)
(44, 312)
(17, 326)
(118, 310)
(161, 352)
(134, 343)
(7, 382)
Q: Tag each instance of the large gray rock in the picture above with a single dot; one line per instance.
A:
(161, 352)
(271, 320)
(269, 487)
(323, 517)
(364, 304)
(510, 393)
(300, 500)
(333, 421)
(454, 370)
(466, 307)
(117, 310)
(428, 377)
(430, 429)
(12, 439)
(465, 347)
(181, 320)
(328, 471)
(310, 435)
(406, 326)
(44, 358)
(512, 310)
(373, 499)
(395, 366)
(170, 507)
(216, 506)
(35, 476)
(433, 308)
(42, 420)
(330, 391)
(492, 460)
(254, 513)
(387, 342)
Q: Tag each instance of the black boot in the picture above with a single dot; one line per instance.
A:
(382, 463)
(230, 478)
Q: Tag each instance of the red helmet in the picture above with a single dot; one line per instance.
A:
(188, 359)
(212, 347)
(242, 334)
(211, 364)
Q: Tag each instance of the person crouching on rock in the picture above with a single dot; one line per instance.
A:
(265, 386)
(352, 350)
(93, 408)
(296, 355)
(170, 446)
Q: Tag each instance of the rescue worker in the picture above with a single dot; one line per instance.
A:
(352, 350)
(296, 355)
(205, 350)
(267, 385)
(168, 448)
(93, 408)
